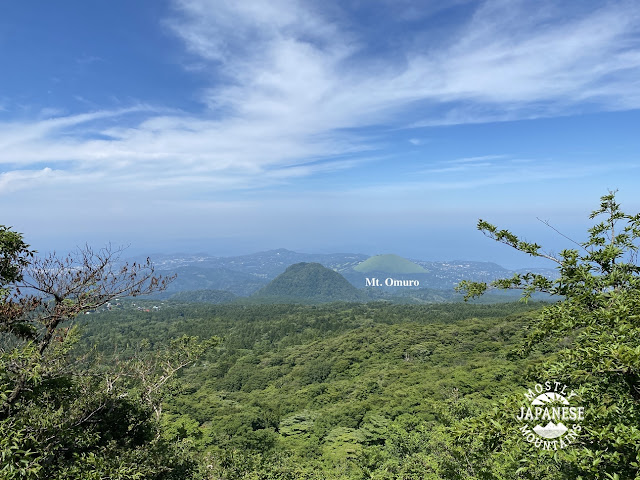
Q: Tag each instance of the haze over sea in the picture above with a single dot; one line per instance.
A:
(337, 126)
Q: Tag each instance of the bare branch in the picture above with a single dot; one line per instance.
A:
(546, 222)
(56, 289)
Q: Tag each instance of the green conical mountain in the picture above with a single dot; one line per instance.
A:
(388, 264)
(309, 282)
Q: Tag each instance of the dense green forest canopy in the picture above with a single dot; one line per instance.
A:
(316, 390)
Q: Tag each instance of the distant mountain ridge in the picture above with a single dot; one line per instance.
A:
(200, 277)
(267, 264)
(246, 274)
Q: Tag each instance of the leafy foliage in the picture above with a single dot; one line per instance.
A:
(597, 324)
(14, 257)
(63, 415)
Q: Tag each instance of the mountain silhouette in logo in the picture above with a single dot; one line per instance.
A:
(550, 397)
(550, 430)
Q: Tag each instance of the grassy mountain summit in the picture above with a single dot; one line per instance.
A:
(389, 264)
(309, 282)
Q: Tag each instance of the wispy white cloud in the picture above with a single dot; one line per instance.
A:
(492, 169)
(88, 59)
(288, 86)
(481, 175)
(457, 168)
(481, 158)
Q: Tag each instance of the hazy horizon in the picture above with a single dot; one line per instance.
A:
(510, 260)
(372, 127)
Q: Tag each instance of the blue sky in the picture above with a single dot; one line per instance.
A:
(375, 127)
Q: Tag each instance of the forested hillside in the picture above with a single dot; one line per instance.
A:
(203, 296)
(310, 283)
(334, 391)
